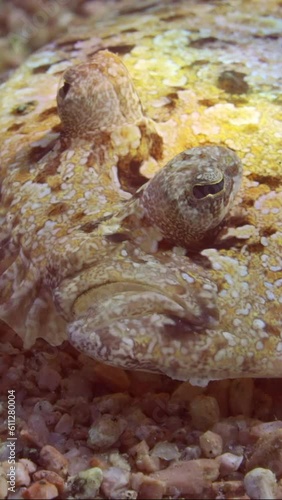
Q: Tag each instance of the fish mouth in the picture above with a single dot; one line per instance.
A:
(142, 326)
(116, 301)
(138, 326)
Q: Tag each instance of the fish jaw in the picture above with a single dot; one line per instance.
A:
(127, 309)
(170, 320)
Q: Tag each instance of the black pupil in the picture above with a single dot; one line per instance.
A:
(201, 191)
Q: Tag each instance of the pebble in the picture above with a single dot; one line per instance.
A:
(3, 486)
(185, 393)
(211, 444)
(228, 431)
(85, 484)
(151, 488)
(76, 386)
(227, 489)
(166, 451)
(241, 396)
(48, 378)
(22, 475)
(115, 481)
(267, 453)
(65, 424)
(113, 403)
(228, 462)
(219, 389)
(51, 477)
(41, 490)
(105, 431)
(209, 467)
(204, 411)
(263, 405)
(78, 459)
(28, 464)
(81, 412)
(261, 484)
(191, 452)
(53, 460)
(189, 477)
(36, 432)
(264, 428)
(116, 379)
(143, 460)
(118, 460)
(151, 433)
(144, 382)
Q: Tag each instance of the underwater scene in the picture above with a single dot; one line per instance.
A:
(140, 249)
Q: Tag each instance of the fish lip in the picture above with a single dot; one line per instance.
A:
(126, 299)
(102, 292)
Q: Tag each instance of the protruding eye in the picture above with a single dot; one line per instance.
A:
(64, 90)
(202, 190)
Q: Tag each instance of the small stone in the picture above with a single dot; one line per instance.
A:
(263, 405)
(115, 481)
(166, 451)
(187, 477)
(228, 489)
(264, 428)
(143, 460)
(28, 464)
(53, 460)
(22, 475)
(191, 452)
(144, 382)
(151, 488)
(85, 484)
(241, 396)
(151, 433)
(113, 377)
(228, 462)
(209, 467)
(75, 385)
(228, 431)
(48, 378)
(113, 403)
(118, 460)
(267, 453)
(204, 411)
(219, 389)
(97, 461)
(105, 432)
(81, 413)
(36, 432)
(3, 486)
(41, 490)
(211, 444)
(51, 477)
(261, 484)
(186, 392)
(65, 424)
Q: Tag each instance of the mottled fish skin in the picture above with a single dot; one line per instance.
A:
(69, 225)
(72, 261)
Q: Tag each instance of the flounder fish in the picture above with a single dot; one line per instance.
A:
(124, 236)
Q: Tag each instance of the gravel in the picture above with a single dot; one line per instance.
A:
(133, 435)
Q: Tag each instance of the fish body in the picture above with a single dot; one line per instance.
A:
(88, 250)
